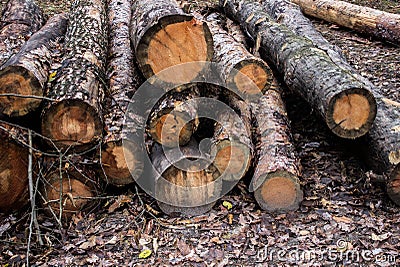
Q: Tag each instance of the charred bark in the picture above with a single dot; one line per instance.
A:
(26, 73)
(163, 36)
(73, 118)
(185, 181)
(346, 104)
(19, 20)
(379, 24)
(238, 68)
(120, 156)
(277, 171)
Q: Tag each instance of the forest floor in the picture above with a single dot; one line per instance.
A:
(344, 220)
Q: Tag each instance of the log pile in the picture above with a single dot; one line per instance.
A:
(94, 131)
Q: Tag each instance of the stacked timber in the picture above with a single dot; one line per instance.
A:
(72, 120)
(26, 73)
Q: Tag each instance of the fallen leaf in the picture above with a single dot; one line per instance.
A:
(380, 237)
(145, 254)
(342, 219)
(228, 205)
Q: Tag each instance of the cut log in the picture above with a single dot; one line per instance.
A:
(277, 171)
(174, 119)
(382, 139)
(384, 146)
(379, 24)
(121, 165)
(13, 167)
(163, 36)
(19, 20)
(231, 144)
(186, 181)
(348, 107)
(73, 119)
(27, 72)
(72, 190)
(239, 69)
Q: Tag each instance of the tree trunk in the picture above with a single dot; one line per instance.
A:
(163, 36)
(347, 106)
(120, 157)
(14, 153)
(382, 137)
(231, 144)
(69, 188)
(384, 147)
(276, 177)
(27, 72)
(380, 24)
(185, 182)
(19, 20)
(73, 119)
(174, 120)
(238, 68)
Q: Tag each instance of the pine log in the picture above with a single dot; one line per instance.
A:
(348, 107)
(275, 183)
(26, 73)
(231, 145)
(382, 144)
(14, 153)
(377, 23)
(19, 20)
(163, 36)
(120, 156)
(74, 119)
(174, 119)
(70, 189)
(186, 182)
(238, 68)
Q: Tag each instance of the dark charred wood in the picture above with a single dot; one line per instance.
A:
(346, 104)
(26, 73)
(74, 119)
(163, 36)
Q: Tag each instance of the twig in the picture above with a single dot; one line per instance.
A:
(28, 96)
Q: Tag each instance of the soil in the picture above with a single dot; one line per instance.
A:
(345, 219)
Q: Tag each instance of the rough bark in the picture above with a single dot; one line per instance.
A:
(345, 103)
(238, 68)
(164, 36)
(174, 119)
(185, 182)
(379, 24)
(14, 153)
(71, 187)
(26, 73)
(120, 157)
(73, 119)
(277, 171)
(384, 147)
(19, 20)
(231, 144)
(382, 138)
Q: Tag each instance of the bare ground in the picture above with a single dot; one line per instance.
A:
(345, 219)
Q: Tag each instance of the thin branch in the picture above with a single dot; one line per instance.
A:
(28, 96)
